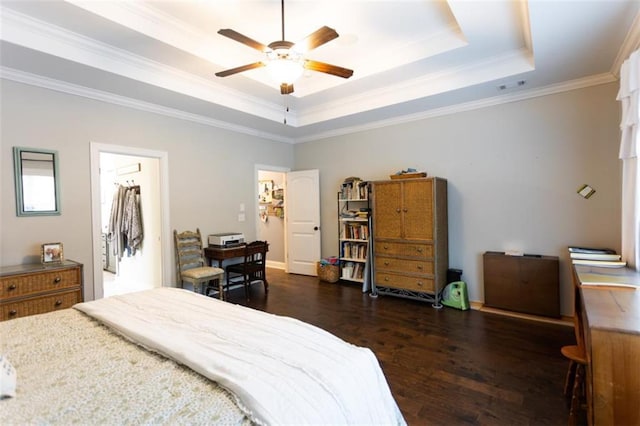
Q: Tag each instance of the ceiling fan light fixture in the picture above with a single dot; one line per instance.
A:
(285, 60)
(284, 66)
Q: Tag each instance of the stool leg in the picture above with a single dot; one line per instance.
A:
(576, 394)
(568, 381)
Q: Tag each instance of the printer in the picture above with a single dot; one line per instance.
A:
(226, 239)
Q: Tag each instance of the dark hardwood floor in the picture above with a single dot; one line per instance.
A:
(444, 366)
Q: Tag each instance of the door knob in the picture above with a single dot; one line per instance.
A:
(315, 228)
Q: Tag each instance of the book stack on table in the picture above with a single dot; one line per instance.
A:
(601, 258)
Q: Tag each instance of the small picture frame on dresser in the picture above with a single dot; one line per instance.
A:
(51, 253)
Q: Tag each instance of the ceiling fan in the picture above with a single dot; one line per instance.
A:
(285, 59)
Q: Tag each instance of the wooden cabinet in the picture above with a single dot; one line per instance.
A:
(527, 284)
(410, 234)
(35, 289)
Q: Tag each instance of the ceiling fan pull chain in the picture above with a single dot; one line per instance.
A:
(286, 110)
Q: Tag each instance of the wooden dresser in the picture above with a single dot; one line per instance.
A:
(410, 236)
(35, 289)
(611, 325)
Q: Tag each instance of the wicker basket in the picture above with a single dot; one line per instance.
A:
(328, 273)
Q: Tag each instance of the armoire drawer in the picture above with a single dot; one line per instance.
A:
(403, 265)
(29, 284)
(40, 305)
(424, 251)
(422, 284)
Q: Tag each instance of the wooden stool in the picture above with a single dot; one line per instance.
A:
(575, 379)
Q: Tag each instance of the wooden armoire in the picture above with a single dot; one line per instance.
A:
(410, 237)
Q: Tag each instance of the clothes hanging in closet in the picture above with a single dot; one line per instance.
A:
(125, 223)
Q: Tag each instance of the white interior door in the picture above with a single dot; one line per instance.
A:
(303, 221)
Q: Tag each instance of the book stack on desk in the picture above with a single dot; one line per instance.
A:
(603, 258)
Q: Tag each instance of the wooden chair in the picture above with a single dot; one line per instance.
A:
(253, 268)
(190, 263)
(575, 381)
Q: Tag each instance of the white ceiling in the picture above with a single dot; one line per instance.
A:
(411, 58)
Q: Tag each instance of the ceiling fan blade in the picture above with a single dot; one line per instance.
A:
(316, 38)
(234, 35)
(236, 70)
(286, 89)
(327, 68)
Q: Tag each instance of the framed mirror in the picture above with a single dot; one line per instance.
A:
(37, 182)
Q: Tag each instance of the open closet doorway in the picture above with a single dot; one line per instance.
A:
(126, 260)
(270, 225)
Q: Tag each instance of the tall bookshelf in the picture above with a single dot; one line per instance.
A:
(354, 229)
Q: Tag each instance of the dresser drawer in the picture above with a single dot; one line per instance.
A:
(40, 305)
(30, 284)
(421, 284)
(424, 251)
(404, 265)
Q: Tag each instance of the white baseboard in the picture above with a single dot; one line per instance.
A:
(275, 265)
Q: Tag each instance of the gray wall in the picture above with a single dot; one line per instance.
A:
(211, 171)
(512, 171)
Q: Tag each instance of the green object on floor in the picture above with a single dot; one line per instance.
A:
(455, 295)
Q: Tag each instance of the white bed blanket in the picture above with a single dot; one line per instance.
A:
(283, 371)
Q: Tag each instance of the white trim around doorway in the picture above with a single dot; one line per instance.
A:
(166, 242)
(265, 168)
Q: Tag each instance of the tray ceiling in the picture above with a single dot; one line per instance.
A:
(411, 58)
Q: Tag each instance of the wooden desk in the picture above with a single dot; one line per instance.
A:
(612, 334)
(220, 254)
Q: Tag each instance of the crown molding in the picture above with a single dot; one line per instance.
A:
(154, 23)
(467, 106)
(56, 85)
(72, 89)
(631, 43)
(502, 66)
(41, 36)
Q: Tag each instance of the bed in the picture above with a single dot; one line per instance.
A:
(170, 356)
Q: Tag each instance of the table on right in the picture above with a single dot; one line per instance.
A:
(609, 299)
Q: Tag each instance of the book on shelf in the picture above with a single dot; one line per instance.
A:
(354, 188)
(595, 256)
(347, 270)
(354, 231)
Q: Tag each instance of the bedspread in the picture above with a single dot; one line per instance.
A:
(74, 370)
(282, 370)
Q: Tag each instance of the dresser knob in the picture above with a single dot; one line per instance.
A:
(419, 249)
(12, 287)
(385, 247)
(397, 210)
(58, 302)
(57, 280)
(386, 263)
(405, 210)
(386, 278)
(12, 313)
(419, 283)
(420, 267)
